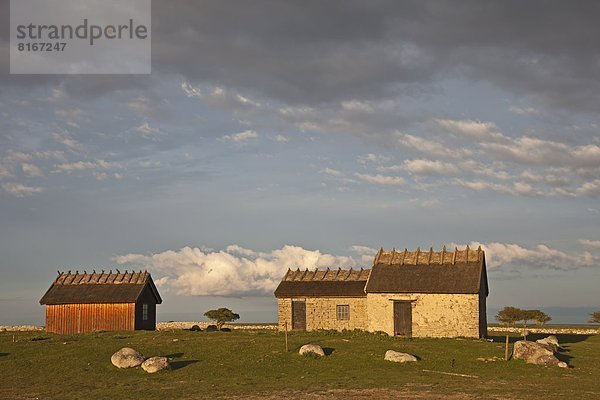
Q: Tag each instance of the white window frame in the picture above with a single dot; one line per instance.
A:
(145, 312)
(342, 312)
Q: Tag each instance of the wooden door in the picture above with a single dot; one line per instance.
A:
(299, 315)
(402, 318)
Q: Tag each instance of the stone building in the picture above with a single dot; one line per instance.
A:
(420, 294)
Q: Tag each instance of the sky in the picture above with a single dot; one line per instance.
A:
(305, 134)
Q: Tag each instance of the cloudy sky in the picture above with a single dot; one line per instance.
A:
(307, 134)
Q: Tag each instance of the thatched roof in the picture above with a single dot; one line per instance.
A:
(326, 283)
(458, 271)
(119, 287)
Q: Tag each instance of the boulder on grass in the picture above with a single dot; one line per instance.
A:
(212, 328)
(396, 356)
(155, 364)
(127, 358)
(536, 353)
(309, 349)
(550, 341)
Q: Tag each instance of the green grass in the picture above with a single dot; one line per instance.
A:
(247, 362)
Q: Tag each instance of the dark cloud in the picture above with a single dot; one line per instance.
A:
(313, 52)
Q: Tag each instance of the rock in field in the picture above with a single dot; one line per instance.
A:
(155, 364)
(396, 356)
(127, 358)
(536, 353)
(550, 341)
(312, 348)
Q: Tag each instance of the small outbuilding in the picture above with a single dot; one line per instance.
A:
(87, 302)
(405, 293)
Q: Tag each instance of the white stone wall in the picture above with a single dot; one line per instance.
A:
(433, 315)
(321, 313)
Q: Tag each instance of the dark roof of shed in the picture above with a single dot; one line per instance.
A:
(119, 287)
(329, 283)
(460, 271)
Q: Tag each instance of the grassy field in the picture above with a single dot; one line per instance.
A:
(255, 364)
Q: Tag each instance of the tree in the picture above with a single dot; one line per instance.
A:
(527, 315)
(540, 317)
(509, 316)
(221, 315)
(595, 317)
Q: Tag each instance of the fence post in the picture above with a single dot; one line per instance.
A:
(286, 338)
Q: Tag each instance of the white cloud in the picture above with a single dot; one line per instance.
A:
(533, 151)
(366, 254)
(422, 167)
(147, 131)
(372, 159)
(513, 256)
(190, 90)
(235, 271)
(282, 139)
(381, 179)
(31, 170)
(523, 110)
(241, 137)
(69, 168)
(332, 172)
(66, 140)
(590, 243)
(20, 190)
(474, 129)
(432, 147)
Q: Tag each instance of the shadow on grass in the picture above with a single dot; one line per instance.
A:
(175, 365)
(174, 355)
(39, 338)
(4, 354)
(328, 350)
(562, 338)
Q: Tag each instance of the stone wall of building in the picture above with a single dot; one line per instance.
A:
(433, 315)
(284, 313)
(321, 313)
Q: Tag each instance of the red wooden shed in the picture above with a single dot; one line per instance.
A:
(77, 303)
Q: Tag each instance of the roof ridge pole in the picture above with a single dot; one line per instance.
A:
(393, 256)
(377, 256)
(479, 253)
(430, 254)
(404, 256)
(467, 256)
(454, 255)
(304, 274)
(417, 255)
(325, 274)
(442, 257)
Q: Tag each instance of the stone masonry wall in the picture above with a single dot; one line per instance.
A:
(433, 315)
(321, 313)
(284, 313)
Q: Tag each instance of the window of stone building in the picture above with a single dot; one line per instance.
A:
(144, 312)
(343, 312)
